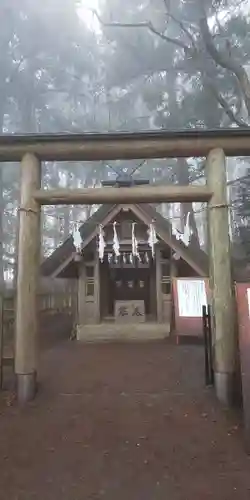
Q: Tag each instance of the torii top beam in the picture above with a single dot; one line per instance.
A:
(137, 145)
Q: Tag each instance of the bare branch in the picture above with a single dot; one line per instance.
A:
(145, 25)
(223, 103)
(181, 24)
(225, 61)
(167, 4)
(184, 29)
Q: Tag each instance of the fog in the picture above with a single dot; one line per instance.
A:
(113, 65)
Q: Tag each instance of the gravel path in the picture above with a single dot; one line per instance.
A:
(121, 422)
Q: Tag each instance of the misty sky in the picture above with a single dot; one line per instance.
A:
(88, 16)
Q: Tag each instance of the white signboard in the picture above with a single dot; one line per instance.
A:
(191, 297)
(130, 311)
(248, 300)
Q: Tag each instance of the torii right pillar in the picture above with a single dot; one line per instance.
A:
(221, 281)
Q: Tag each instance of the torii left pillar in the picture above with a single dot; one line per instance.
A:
(26, 338)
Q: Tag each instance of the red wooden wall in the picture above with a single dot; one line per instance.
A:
(244, 345)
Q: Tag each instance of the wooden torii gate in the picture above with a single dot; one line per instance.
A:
(31, 150)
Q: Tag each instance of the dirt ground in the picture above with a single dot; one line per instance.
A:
(122, 422)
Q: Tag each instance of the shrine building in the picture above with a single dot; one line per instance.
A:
(125, 267)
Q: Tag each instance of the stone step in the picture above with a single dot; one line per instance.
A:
(139, 332)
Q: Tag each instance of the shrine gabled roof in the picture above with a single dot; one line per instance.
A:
(191, 253)
(194, 256)
(67, 248)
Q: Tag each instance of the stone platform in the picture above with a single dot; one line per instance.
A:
(108, 332)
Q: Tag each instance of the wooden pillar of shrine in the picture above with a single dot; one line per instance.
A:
(26, 337)
(221, 283)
